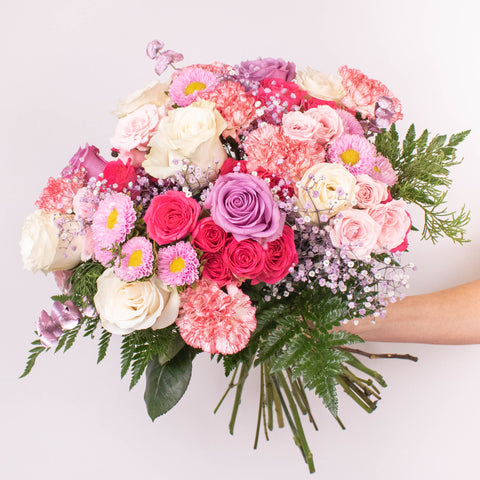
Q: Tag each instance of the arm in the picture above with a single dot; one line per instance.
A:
(449, 317)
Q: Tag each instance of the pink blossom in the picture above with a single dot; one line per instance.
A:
(394, 223)
(178, 264)
(136, 260)
(355, 232)
(189, 83)
(136, 129)
(354, 152)
(383, 171)
(215, 321)
(85, 204)
(329, 123)
(370, 192)
(350, 124)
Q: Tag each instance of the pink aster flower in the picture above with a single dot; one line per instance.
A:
(235, 105)
(136, 260)
(187, 86)
(350, 124)
(354, 152)
(383, 171)
(113, 220)
(215, 321)
(178, 264)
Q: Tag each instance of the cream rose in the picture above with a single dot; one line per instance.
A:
(153, 93)
(44, 247)
(125, 307)
(191, 134)
(320, 85)
(326, 188)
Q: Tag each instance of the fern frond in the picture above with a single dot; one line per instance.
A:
(103, 345)
(35, 351)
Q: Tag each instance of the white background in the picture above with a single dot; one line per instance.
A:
(64, 67)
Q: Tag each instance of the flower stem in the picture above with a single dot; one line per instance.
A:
(238, 394)
(230, 386)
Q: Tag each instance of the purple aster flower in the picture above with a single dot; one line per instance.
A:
(192, 81)
(113, 220)
(136, 261)
(178, 264)
(354, 152)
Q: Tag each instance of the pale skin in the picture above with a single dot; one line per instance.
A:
(447, 317)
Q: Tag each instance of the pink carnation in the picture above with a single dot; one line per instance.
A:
(215, 321)
(235, 105)
(362, 93)
(57, 196)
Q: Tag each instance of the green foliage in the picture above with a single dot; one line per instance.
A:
(35, 351)
(167, 382)
(103, 345)
(68, 338)
(84, 282)
(423, 169)
(140, 347)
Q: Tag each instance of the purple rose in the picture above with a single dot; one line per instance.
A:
(258, 70)
(88, 157)
(243, 205)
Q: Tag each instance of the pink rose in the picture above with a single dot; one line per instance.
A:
(87, 157)
(280, 256)
(299, 126)
(394, 223)
(171, 217)
(355, 232)
(329, 123)
(208, 236)
(216, 269)
(85, 204)
(136, 129)
(370, 192)
(246, 259)
(136, 156)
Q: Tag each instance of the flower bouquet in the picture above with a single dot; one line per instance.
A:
(246, 212)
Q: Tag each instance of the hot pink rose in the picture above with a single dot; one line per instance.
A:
(137, 128)
(216, 269)
(208, 236)
(370, 192)
(246, 259)
(394, 224)
(329, 123)
(171, 217)
(280, 255)
(230, 165)
(355, 232)
(118, 175)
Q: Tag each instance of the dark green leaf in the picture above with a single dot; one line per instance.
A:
(167, 383)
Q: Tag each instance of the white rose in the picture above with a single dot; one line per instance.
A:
(191, 134)
(125, 307)
(326, 188)
(320, 85)
(153, 93)
(44, 247)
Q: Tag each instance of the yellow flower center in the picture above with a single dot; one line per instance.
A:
(350, 157)
(376, 169)
(112, 219)
(177, 265)
(135, 259)
(193, 87)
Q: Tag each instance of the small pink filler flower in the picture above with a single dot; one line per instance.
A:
(215, 321)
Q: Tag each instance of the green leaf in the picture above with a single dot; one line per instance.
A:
(37, 349)
(167, 383)
(103, 345)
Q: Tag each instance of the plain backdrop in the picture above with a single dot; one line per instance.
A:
(64, 67)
